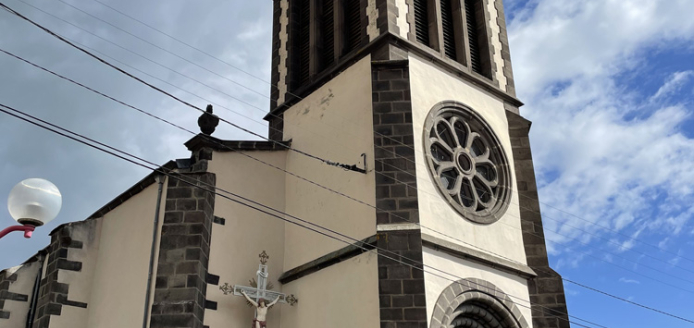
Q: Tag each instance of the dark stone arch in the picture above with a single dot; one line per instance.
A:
(479, 296)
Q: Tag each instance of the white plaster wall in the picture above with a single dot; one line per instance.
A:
(162, 211)
(430, 85)
(403, 11)
(334, 123)
(120, 278)
(235, 246)
(70, 317)
(115, 260)
(435, 282)
(282, 66)
(26, 278)
(344, 295)
(496, 44)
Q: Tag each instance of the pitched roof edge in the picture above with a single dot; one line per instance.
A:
(122, 198)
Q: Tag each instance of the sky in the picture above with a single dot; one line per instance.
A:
(608, 84)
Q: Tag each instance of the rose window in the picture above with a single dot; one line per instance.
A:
(467, 162)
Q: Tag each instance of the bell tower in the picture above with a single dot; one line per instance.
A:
(425, 90)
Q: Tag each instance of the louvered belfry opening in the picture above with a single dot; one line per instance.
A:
(448, 29)
(352, 29)
(479, 54)
(321, 33)
(303, 41)
(421, 21)
(328, 33)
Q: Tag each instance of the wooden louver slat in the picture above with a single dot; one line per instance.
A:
(473, 36)
(353, 33)
(448, 29)
(421, 20)
(328, 25)
(304, 42)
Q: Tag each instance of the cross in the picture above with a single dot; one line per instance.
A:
(261, 290)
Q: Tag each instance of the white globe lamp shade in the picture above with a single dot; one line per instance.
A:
(34, 202)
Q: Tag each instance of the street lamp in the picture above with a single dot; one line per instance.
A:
(32, 203)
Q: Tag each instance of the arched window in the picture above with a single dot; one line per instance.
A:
(475, 303)
(478, 314)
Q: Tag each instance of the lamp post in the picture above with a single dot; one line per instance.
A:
(32, 203)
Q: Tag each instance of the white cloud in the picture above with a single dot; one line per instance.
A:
(663, 243)
(558, 40)
(677, 81)
(629, 281)
(571, 262)
(571, 292)
(676, 260)
(604, 151)
(608, 257)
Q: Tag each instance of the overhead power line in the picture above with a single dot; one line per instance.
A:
(150, 85)
(340, 165)
(298, 97)
(105, 62)
(154, 116)
(352, 167)
(187, 44)
(337, 164)
(282, 216)
(283, 170)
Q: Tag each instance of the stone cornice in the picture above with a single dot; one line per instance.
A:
(467, 253)
(328, 260)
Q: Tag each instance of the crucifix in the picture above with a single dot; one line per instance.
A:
(259, 295)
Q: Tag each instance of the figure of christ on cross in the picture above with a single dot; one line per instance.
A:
(261, 310)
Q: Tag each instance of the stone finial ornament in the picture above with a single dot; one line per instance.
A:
(208, 122)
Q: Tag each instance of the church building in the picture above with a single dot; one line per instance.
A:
(396, 189)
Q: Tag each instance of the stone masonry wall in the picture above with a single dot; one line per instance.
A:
(5, 295)
(387, 16)
(546, 290)
(396, 186)
(184, 250)
(401, 286)
(53, 295)
(401, 291)
(17, 287)
(276, 45)
(505, 49)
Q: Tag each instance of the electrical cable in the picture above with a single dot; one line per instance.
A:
(274, 86)
(161, 170)
(353, 167)
(170, 69)
(348, 167)
(163, 49)
(294, 217)
(287, 214)
(149, 60)
(331, 163)
(265, 163)
(10, 10)
(190, 105)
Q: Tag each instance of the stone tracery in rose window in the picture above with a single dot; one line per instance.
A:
(467, 162)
